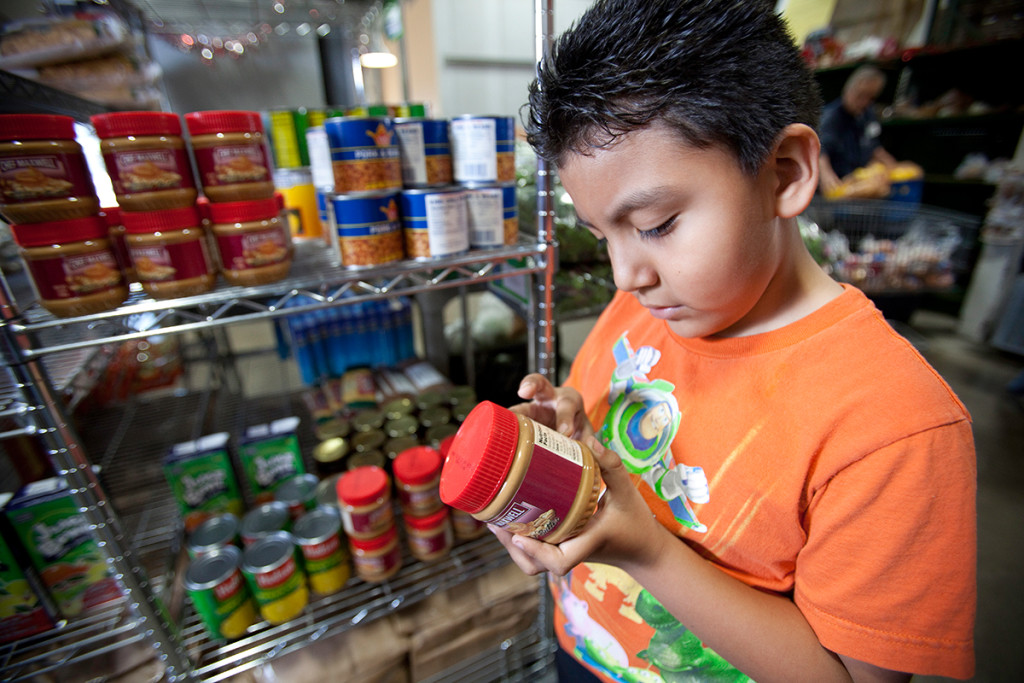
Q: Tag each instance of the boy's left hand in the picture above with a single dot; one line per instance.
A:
(622, 532)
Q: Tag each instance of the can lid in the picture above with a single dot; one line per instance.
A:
(223, 121)
(374, 542)
(124, 123)
(417, 465)
(296, 489)
(269, 516)
(212, 568)
(362, 485)
(140, 222)
(36, 127)
(480, 457)
(427, 521)
(59, 232)
(217, 530)
(242, 212)
(268, 553)
(317, 526)
(330, 450)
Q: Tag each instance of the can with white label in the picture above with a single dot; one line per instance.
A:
(492, 214)
(483, 149)
(434, 222)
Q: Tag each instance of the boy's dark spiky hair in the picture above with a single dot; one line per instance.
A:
(718, 72)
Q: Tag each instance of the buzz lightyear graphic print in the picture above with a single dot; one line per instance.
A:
(640, 426)
(606, 619)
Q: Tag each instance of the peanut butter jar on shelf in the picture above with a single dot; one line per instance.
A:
(146, 159)
(231, 155)
(253, 243)
(169, 252)
(72, 265)
(43, 173)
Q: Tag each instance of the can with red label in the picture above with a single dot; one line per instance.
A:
(219, 593)
(275, 578)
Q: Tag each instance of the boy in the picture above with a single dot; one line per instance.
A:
(801, 507)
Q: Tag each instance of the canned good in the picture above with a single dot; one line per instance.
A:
(368, 420)
(327, 492)
(430, 399)
(492, 214)
(366, 230)
(329, 456)
(324, 555)
(284, 139)
(434, 222)
(296, 188)
(298, 493)
(332, 428)
(378, 558)
(219, 594)
(372, 440)
(263, 520)
(364, 154)
(392, 447)
(461, 395)
(274, 577)
(426, 153)
(214, 533)
(398, 407)
(438, 433)
(401, 426)
(433, 417)
(374, 458)
(483, 149)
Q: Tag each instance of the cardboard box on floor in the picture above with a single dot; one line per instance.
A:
(418, 641)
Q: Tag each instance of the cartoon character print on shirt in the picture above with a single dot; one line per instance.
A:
(640, 426)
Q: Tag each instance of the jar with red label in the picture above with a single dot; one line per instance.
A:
(430, 537)
(72, 265)
(43, 173)
(378, 558)
(169, 252)
(253, 242)
(146, 159)
(417, 477)
(364, 494)
(231, 155)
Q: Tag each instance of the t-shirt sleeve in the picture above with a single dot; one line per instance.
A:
(887, 574)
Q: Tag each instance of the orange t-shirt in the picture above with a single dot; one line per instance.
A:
(825, 461)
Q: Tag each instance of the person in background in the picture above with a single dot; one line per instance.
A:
(849, 130)
(809, 514)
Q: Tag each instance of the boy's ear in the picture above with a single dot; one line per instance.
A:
(796, 169)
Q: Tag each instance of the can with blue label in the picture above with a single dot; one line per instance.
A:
(483, 149)
(367, 230)
(434, 222)
(426, 152)
(492, 215)
(364, 154)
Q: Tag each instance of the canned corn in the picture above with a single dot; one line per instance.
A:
(218, 592)
(274, 577)
(324, 555)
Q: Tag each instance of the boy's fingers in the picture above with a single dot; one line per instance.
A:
(536, 387)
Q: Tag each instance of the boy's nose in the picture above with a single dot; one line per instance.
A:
(630, 269)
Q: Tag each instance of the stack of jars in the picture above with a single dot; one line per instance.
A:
(168, 247)
(364, 496)
(427, 525)
(47, 194)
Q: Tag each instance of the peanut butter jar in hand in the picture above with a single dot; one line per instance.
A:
(510, 471)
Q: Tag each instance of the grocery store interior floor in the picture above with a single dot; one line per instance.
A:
(980, 376)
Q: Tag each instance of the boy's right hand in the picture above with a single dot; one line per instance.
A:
(560, 408)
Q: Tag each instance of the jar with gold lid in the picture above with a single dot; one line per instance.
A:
(43, 173)
(146, 159)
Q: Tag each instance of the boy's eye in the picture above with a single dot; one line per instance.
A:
(659, 231)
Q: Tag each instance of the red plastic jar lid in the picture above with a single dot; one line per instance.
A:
(112, 214)
(375, 542)
(59, 232)
(427, 522)
(362, 485)
(206, 122)
(242, 212)
(125, 123)
(36, 127)
(480, 457)
(141, 222)
(417, 465)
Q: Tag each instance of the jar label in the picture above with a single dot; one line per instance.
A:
(255, 249)
(148, 170)
(170, 262)
(44, 176)
(73, 276)
(421, 501)
(366, 524)
(433, 544)
(373, 566)
(231, 164)
(548, 489)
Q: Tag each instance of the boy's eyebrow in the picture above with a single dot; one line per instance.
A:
(637, 200)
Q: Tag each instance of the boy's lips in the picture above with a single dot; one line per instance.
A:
(664, 312)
